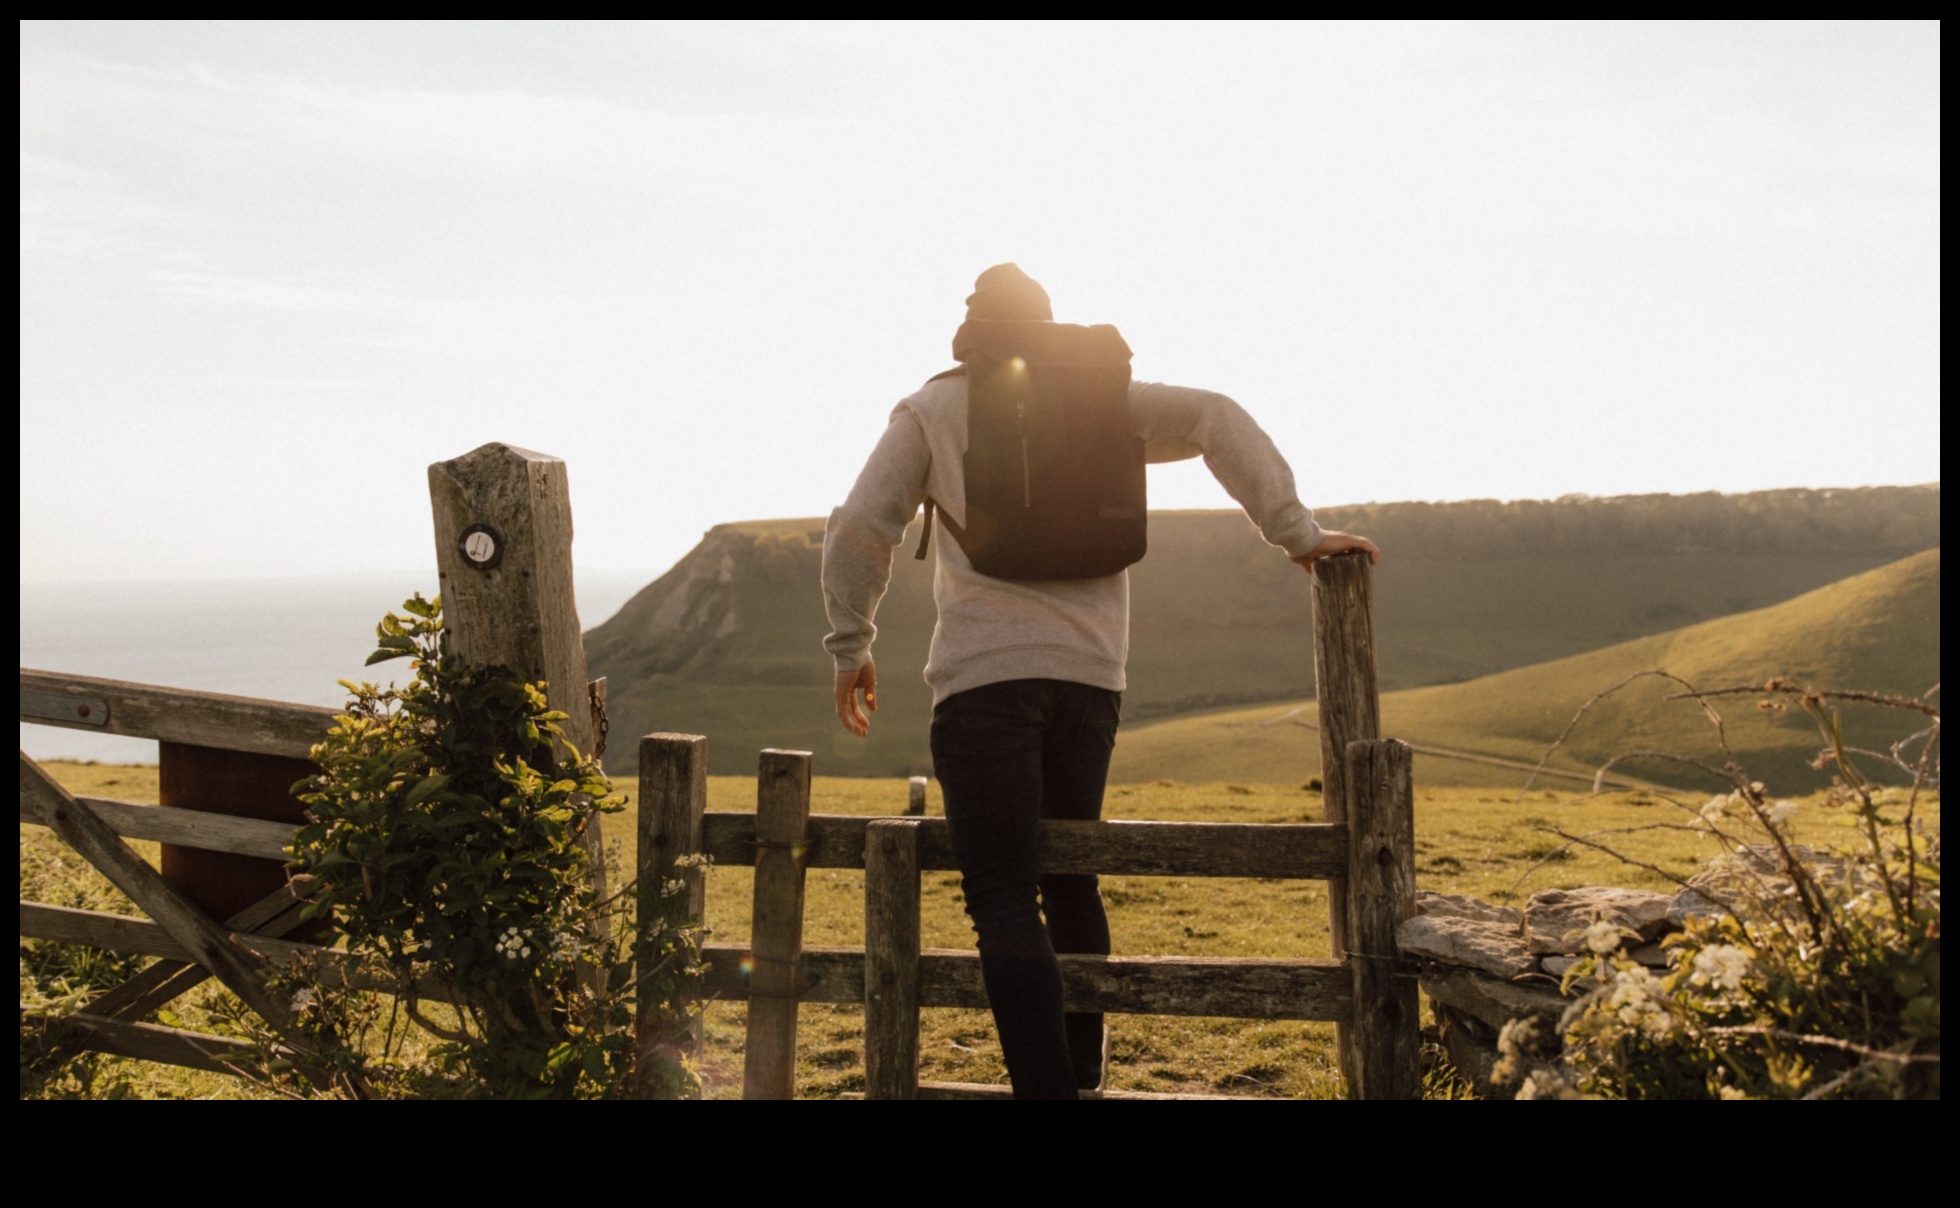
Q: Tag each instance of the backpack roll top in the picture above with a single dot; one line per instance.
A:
(1054, 471)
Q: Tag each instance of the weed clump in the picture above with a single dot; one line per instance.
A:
(1800, 973)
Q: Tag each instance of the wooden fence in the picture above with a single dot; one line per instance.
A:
(232, 921)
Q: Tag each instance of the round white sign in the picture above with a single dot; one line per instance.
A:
(479, 546)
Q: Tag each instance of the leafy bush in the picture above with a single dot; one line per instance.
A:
(445, 842)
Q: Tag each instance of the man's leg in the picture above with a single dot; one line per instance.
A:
(1075, 769)
(987, 753)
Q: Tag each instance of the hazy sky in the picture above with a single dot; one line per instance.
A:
(269, 272)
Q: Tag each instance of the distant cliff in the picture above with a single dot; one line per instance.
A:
(728, 642)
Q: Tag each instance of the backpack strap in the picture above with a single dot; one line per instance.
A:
(925, 533)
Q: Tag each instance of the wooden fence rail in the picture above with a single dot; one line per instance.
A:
(178, 715)
(191, 828)
(1311, 850)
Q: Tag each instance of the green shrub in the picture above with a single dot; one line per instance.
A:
(445, 839)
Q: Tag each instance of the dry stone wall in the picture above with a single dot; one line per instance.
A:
(1482, 965)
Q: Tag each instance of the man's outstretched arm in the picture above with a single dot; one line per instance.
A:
(1178, 422)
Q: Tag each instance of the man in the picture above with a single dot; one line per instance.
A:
(1027, 674)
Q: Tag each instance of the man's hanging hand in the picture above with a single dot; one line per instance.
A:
(848, 685)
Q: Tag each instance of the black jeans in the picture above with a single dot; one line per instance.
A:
(1008, 755)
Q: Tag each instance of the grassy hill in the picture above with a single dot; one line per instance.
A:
(727, 643)
(1878, 632)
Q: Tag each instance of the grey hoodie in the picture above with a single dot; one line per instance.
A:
(991, 629)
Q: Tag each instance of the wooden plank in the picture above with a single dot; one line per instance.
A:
(1110, 848)
(776, 932)
(276, 914)
(122, 933)
(242, 971)
(982, 1090)
(188, 828)
(1348, 700)
(824, 973)
(1226, 987)
(891, 960)
(915, 797)
(211, 719)
(244, 783)
(1384, 1041)
(517, 609)
(1210, 849)
(1234, 987)
(140, 937)
(153, 1042)
(673, 797)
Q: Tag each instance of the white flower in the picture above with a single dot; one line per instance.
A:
(1716, 808)
(1782, 812)
(1657, 1025)
(511, 945)
(1634, 988)
(1722, 966)
(1603, 937)
(1517, 1035)
(1638, 1001)
(1546, 1084)
(305, 999)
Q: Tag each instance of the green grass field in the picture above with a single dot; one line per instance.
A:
(1878, 631)
(1481, 841)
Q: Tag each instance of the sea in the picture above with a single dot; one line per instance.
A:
(288, 639)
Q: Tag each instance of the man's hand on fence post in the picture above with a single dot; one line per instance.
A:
(1332, 543)
(848, 684)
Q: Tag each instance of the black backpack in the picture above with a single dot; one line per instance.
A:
(1054, 471)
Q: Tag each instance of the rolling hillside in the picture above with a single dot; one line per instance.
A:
(1878, 632)
(727, 643)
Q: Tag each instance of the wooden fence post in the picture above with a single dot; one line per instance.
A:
(891, 960)
(915, 797)
(1385, 1046)
(1349, 704)
(782, 815)
(673, 797)
(503, 520)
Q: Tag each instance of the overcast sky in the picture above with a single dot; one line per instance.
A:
(269, 272)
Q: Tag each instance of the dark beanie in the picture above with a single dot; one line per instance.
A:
(1005, 292)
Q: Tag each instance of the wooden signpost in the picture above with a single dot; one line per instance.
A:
(503, 521)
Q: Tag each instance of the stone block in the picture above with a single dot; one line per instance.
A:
(1555, 920)
(1464, 931)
